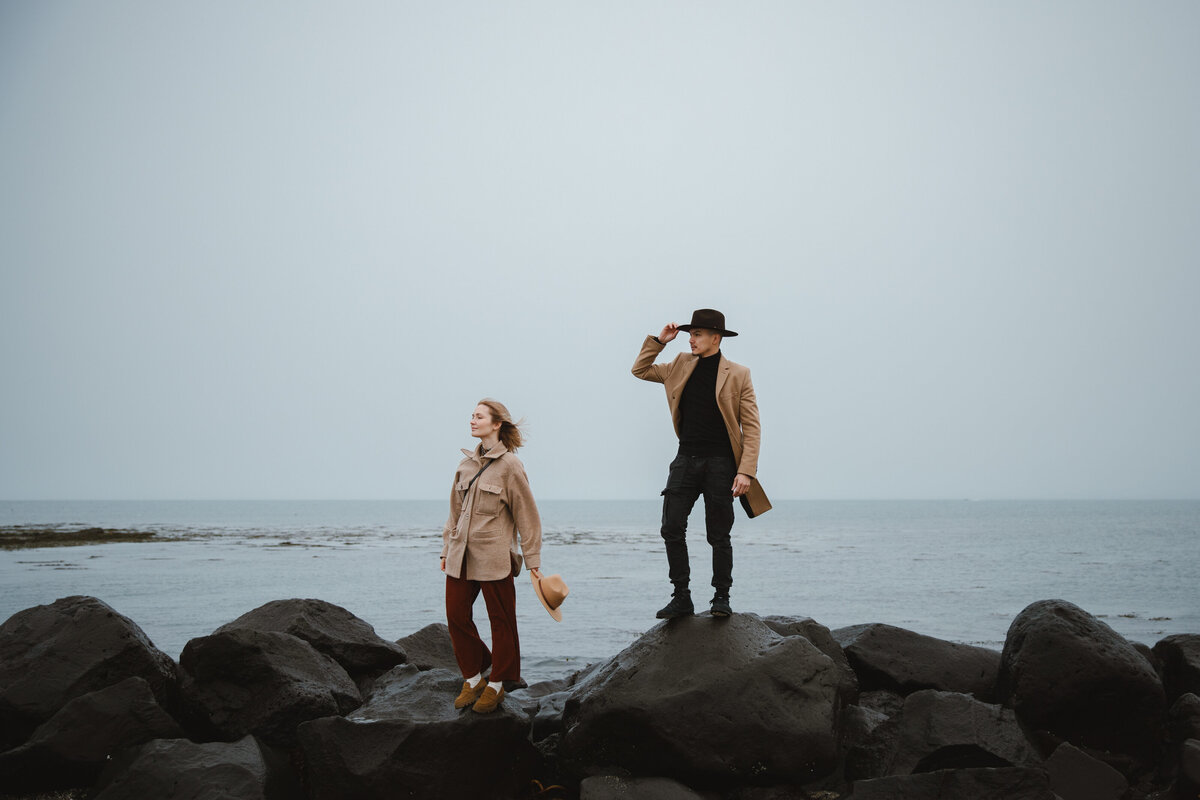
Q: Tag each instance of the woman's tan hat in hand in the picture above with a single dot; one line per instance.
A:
(551, 590)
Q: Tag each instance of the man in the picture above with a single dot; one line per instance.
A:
(716, 419)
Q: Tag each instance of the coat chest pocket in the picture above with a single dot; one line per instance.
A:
(487, 501)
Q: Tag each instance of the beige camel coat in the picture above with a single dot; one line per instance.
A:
(735, 399)
(494, 522)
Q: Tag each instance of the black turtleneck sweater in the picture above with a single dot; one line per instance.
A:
(701, 428)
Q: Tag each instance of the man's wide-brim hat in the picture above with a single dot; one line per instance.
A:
(551, 590)
(708, 318)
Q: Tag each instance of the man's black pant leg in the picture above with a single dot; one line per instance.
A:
(678, 499)
(718, 518)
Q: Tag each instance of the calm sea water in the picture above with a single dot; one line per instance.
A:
(956, 570)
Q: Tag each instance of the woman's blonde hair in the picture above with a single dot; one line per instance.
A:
(510, 432)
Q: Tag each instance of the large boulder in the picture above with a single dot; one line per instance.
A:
(942, 730)
(616, 787)
(261, 682)
(408, 740)
(331, 629)
(1187, 783)
(823, 639)
(887, 657)
(430, 647)
(708, 701)
(54, 653)
(1074, 775)
(73, 746)
(1071, 677)
(1180, 658)
(544, 702)
(177, 769)
(1005, 783)
(1183, 720)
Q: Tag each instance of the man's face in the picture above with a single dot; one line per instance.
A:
(704, 342)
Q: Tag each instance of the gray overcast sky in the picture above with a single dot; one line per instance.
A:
(278, 250)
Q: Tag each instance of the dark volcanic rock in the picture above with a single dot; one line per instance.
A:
(710, 702)
(262, 682)
(177, 769)
(887, 657)
(942, 730)
(867, 750)
(1008, 783)
(1072, 676)
(54, 653)
(545, 701)
(1074, 775)
(408, 740)
(430, 648)
(547, 718)
(884, 701)
(1184, 718)
(1180, 658)
(871, 756)
(1187, 785)
(331, 629)
(782, 792)
(613, 787)
(71, 748)
(820, 636)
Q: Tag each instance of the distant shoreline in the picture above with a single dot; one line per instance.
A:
(32, 537)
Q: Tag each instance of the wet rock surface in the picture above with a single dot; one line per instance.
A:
(178, 769)
(53, 653)
(744, 708)
(261, 682)
(1074, 775)
(887, 657)
(71, 747)
(430, 647)
(710, 702)
(1179, 656)
(408, 740)
(943, 730)
(1072, 677)
(615, 787)
(330, 629)
(1006, 783)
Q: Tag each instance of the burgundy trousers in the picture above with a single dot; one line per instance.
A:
(470, 651)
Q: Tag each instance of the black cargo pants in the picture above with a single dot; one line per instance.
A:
(690, 477)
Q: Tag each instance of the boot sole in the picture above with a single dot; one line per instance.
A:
(661, 615)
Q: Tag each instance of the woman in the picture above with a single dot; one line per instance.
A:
(491, 511)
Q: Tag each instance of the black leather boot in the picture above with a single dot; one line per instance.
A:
(680, 606)
(720, 604)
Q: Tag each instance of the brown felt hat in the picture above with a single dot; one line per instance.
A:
(708, 318)
(551, 590)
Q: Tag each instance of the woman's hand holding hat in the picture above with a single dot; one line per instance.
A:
(551, 591)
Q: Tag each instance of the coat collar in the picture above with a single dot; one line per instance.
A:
(478, 455)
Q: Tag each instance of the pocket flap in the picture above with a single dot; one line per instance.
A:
(461, 486)
(490, 487)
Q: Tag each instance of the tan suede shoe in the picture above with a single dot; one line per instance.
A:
(468, 695)
(489, 701)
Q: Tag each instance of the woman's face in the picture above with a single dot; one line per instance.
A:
(482, 425)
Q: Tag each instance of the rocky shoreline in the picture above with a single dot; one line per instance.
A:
(32, 537)
(300, 699)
